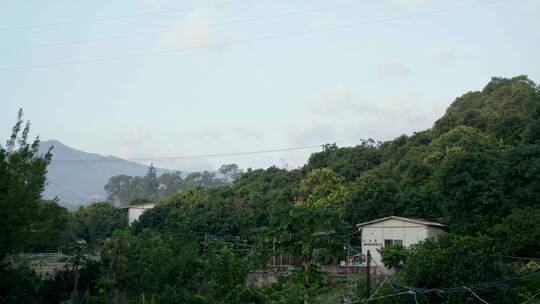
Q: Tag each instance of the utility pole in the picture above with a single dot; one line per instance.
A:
(274, 252)
(348, 260)
(368, 274)
(349, 283)
(76, 264)
(75, 284)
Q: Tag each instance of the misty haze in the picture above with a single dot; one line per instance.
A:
(270, 152)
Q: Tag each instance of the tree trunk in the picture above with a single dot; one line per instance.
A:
(306, 282)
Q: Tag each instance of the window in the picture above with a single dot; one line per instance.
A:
(393, 242)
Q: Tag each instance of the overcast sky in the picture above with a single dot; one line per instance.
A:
(154, 78)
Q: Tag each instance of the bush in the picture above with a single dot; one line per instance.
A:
(393, 256)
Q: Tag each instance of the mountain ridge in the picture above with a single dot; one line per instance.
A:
(75, 187)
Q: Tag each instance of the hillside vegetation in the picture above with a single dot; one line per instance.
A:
(477, 170)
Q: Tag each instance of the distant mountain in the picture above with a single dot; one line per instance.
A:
(77, 177)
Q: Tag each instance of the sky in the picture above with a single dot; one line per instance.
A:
(158, 78)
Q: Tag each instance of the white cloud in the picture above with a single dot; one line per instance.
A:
(311, 131)
(154, 3)
(246, 133)
(135, 143)
(188, 165)
(226, 133)
(329, 19)
(140, 142)
(443, 56)
(341, 115)
(419, 119)
(409, 4)
(194, 30)
(533, 4)
(394, 69)
(342, 102)
(210, 133)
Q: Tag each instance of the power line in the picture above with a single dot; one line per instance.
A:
(462, 289)
(529, 299)
(94, 20)
(477, 286)
(61, 162)
(481, 286)
(223, 44)
(414, 293)
(376, 290)
(520, 258)
(176, 30)
(416, 300)
(475, 295)
(382, 297)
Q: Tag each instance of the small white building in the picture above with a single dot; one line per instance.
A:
(135, 211)
(391, 230)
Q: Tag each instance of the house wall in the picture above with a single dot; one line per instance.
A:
(374, 236)
(433, 232)
(135, 212)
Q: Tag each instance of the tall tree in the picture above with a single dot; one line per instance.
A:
(119, 189)
(348, 162)
(50, 229)
(308, 233)
(98, 221)
(225, 273)
(22, 180)
(170, 183)
(230, 172)
(151, 183)
(324, 188)
(469, 179)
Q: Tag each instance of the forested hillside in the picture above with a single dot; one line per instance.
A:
(476, 168)
(477, 171)
(478, 165)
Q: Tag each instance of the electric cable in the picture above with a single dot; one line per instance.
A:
(239, 42)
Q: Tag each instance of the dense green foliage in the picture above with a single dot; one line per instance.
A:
(469, 171)
(125, 190)
(456, 263)
(22, 179)
(477, 170)
(96, 222)
(50, 229)
(453, 261)
(394, 256)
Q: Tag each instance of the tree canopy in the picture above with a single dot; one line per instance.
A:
(22, 180)
(477, 171)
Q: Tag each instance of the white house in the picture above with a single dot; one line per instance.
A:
(135, 211)
(390, 230)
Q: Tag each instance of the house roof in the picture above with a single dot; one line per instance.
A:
(137, 206)
(406, 219)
